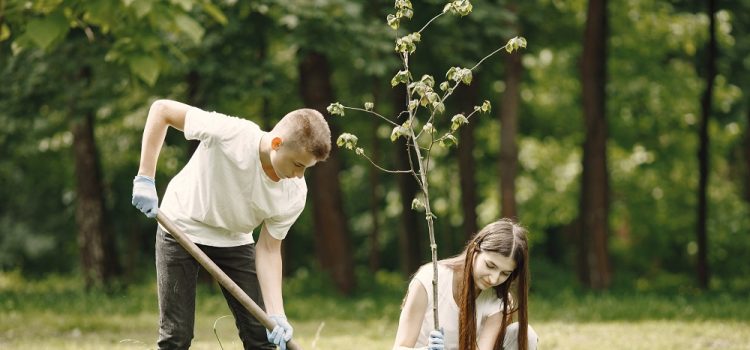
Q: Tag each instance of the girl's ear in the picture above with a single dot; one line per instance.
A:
(276, 143)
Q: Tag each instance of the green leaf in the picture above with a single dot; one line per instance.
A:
(186, 5)
(439, 107)
(432, 97)
(416, 204)
(347, 140)
(402, 4)
(466, 76)
(444, 86)
(413, 104)
(100, 13)
(215, 13)
(452, 72)
(4, 32)
(190, 27)
(405, 13)
(408, 43)
(145, 67)
(399, 131)
(44, 31)
(335, 109)
(402, 76)
(448, 140)
(515, 43)
(457, 121)
(142, 7)
(393, 21)
(459, 7)
(486, 106)
(428, 80)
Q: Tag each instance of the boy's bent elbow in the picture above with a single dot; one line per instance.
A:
(158, 107)
(169, 112)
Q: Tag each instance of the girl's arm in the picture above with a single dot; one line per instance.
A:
(490, 331)
(412, 315)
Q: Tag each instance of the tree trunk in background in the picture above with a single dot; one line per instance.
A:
(594, 209)
(95, 243)
(706, 103)
(333, 246)
(410, 229)
(508, 134)
(375, 191)
(261, 23)
(193, 79)
(747, 154)
(469, 97)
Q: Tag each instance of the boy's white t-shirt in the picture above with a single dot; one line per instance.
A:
(222, 194)
(487, 304)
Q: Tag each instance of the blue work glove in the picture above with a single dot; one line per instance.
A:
(282, 333)
(437, 341)
(144, 195)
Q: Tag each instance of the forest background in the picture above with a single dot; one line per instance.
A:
(631, 179)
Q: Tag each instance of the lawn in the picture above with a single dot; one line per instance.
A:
(56, 314)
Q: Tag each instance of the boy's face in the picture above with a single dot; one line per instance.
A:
(491, 269)
(291, 161)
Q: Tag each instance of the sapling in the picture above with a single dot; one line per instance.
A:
(423, 103)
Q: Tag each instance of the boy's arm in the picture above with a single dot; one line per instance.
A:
(161, 115)
(268, 267)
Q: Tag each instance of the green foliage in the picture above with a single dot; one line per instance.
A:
(242, 57)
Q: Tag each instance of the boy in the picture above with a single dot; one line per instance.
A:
(238, 178)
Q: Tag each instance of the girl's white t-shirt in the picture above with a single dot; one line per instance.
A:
(222, 194)
(487, 304)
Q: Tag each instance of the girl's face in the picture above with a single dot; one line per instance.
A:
(491, 269)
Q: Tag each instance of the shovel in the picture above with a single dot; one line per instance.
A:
(220, 276)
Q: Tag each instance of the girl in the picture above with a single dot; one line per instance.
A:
(475, 303)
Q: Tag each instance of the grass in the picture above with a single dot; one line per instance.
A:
(55, 313)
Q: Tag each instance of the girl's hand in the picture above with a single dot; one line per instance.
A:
(437, 341)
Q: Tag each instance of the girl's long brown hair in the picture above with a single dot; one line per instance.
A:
(509, 239)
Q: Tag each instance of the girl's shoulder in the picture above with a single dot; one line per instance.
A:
(425, 274)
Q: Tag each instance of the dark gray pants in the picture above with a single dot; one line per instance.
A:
(176, 275)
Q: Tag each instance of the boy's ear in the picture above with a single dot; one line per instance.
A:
(276, 143)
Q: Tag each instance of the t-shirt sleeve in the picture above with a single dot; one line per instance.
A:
(213, 127)
(278, 226)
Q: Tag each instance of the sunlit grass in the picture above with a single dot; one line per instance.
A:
(56, 313)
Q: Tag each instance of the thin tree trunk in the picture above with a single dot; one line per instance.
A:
(706, 102)
(332, 237)
(97, 249)
(466, 164)
(594, 211)
(410, 228)
(508, 134)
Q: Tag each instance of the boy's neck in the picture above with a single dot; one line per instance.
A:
(264, 152)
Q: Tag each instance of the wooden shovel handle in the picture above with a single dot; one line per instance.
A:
(220, 276)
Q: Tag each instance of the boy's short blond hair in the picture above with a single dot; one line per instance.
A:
(306, 128)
